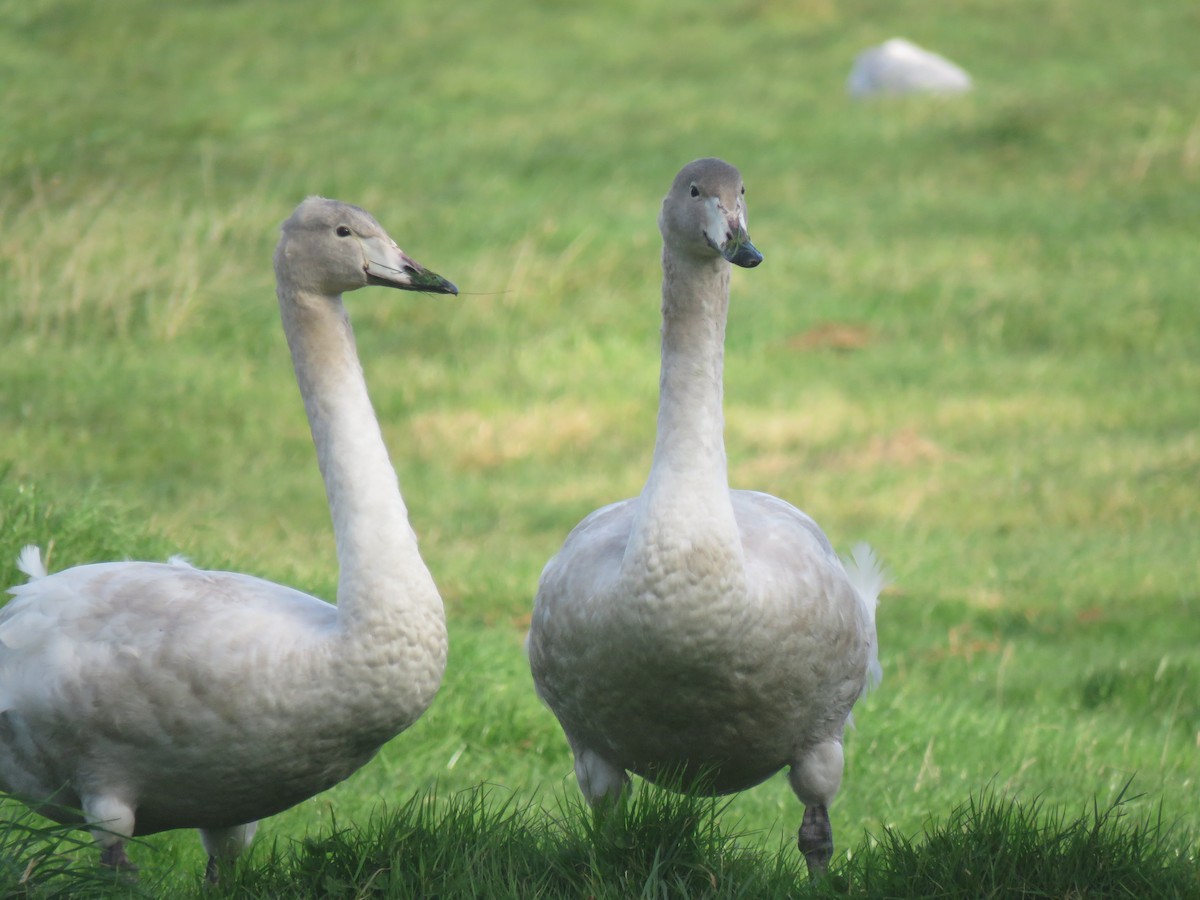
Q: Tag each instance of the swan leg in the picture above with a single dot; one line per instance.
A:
(111, 823)
(815, 778)
(114, 857)
(816, 839)
(605, 786)
(224, 845)
(602, 783)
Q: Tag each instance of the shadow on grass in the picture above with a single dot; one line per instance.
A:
(487, 842)
(994, 846)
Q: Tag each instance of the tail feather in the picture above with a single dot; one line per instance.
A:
(869, 577)
(29, 561)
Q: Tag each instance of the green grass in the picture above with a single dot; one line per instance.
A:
(488, 842)
(974, 343)
(46, 860)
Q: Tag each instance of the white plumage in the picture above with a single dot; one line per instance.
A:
(696, 632)
(29, 562)
(898, 67)
(155, 696)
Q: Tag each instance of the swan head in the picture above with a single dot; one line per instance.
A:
(330, 247)
(704, 214)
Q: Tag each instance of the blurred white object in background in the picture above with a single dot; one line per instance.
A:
(901, 67)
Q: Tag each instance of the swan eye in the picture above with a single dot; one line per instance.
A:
(343, 231)
(695, 191)
(743, 190)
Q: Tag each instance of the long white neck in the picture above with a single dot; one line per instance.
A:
(685, 503)
(385, 592)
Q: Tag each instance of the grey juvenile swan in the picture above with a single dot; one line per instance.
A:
(694, 632)
(157, 696)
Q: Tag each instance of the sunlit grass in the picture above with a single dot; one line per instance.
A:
(973, 343)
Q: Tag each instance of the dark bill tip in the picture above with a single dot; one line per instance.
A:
(435, 284)
(742, 253)
(410, 278)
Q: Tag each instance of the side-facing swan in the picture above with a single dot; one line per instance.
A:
(157, 696)
(695, 632)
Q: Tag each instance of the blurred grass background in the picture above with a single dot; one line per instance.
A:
(975, 341)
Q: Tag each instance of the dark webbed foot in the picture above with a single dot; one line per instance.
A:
(816, 839)
(114, 858)
(212, 872)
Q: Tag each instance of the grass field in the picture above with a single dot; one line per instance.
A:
(974, 343)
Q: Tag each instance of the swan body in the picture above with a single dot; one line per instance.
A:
(155, 696)
(693, 634)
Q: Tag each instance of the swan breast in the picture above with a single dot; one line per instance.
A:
(737, 678)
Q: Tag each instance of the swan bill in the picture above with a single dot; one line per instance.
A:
(741, 252)
(408, 276)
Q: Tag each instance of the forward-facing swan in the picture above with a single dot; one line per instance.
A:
(156, 696)
(695, 632)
